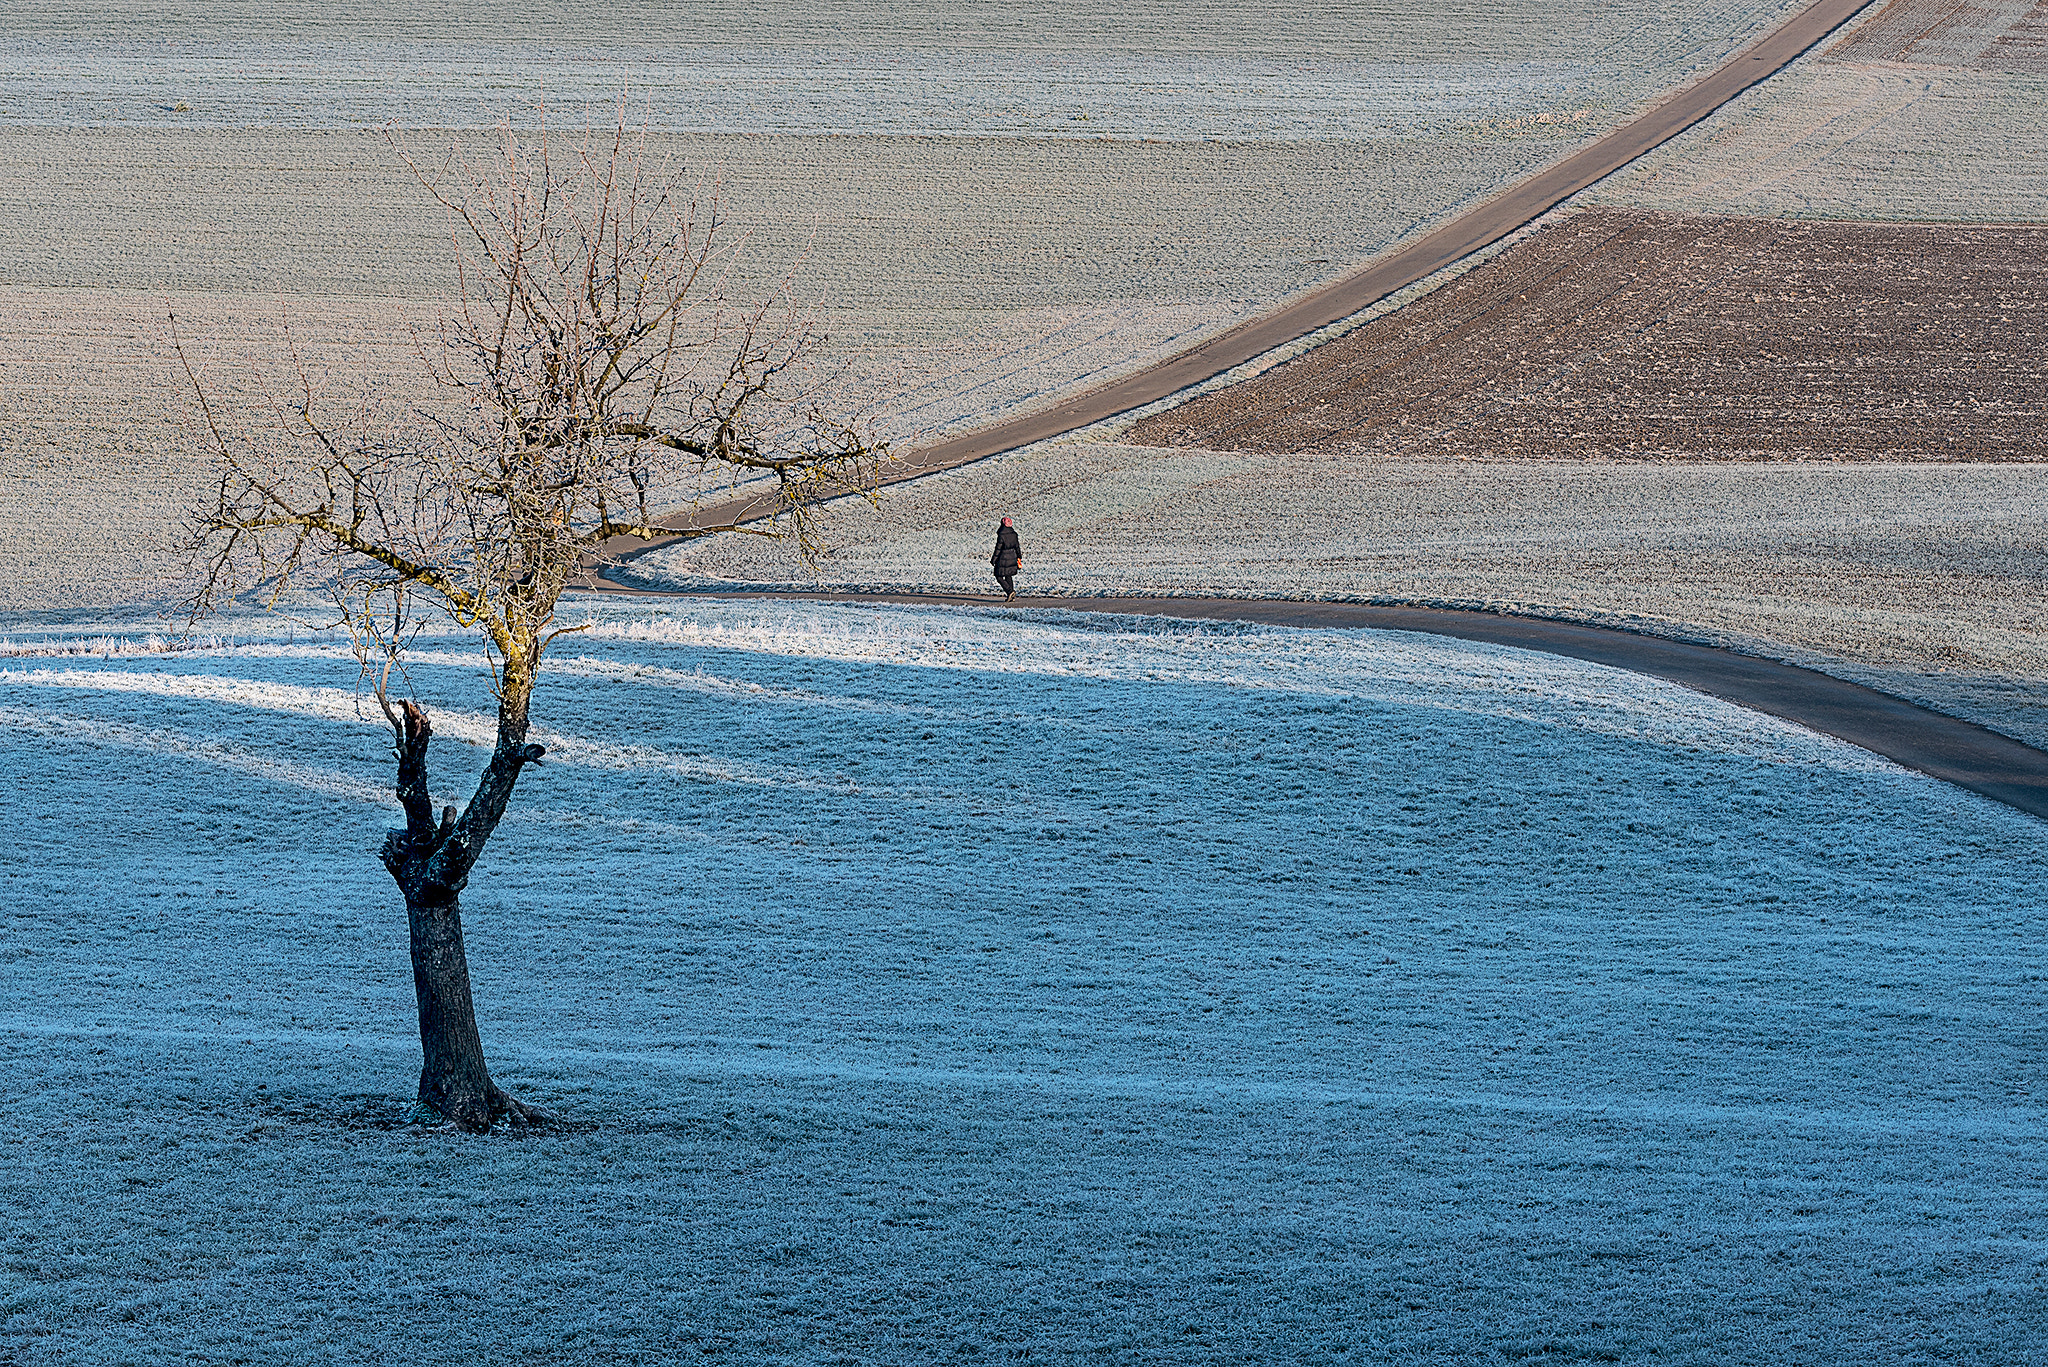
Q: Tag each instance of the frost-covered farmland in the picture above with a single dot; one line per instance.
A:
(1922, 110)
(1169, 69)
(941, 169)
(983, 985)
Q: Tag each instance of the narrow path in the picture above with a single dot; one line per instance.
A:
(1480, 226)
(1959, 752)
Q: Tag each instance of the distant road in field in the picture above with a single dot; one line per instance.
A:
(1959, 752)
(1478, 227)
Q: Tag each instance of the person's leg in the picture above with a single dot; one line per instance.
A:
(1009, 583)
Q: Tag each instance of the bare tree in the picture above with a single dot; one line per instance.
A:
(589, 371)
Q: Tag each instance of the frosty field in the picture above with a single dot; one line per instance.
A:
(920, 985)
(1921, 110)
(996, 201)
(1008, 68)
(924, 985)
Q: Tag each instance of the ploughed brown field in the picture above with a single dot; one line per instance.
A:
(1627, 335)
(1969, 33)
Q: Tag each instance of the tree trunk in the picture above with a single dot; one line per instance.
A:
(454, 1079)
(431, 864)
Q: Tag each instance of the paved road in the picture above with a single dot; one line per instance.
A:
(1960, 752)
(1477, 227)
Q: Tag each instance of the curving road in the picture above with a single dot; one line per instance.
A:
(1960, 752)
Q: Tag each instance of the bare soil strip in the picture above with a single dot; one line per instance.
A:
(1469, 232)
(1624, 335)
(1943, 747)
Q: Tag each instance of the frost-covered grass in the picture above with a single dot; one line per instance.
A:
(998, 202)
(922, 985)
(1020, 68)
(1846, 132)
(1877, 142)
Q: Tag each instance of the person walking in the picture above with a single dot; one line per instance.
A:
(1007, 558)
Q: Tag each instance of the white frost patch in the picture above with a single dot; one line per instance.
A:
(473, 728)
(1839, 140)
(1397, 668)
(108, 647)
(328, 704)
(201, 749)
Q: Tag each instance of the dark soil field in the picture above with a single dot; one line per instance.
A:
(1988, 37)
(1624, 335)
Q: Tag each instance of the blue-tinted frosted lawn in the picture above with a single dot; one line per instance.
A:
(931, 984)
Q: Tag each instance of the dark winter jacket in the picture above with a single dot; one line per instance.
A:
(1009, 552)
